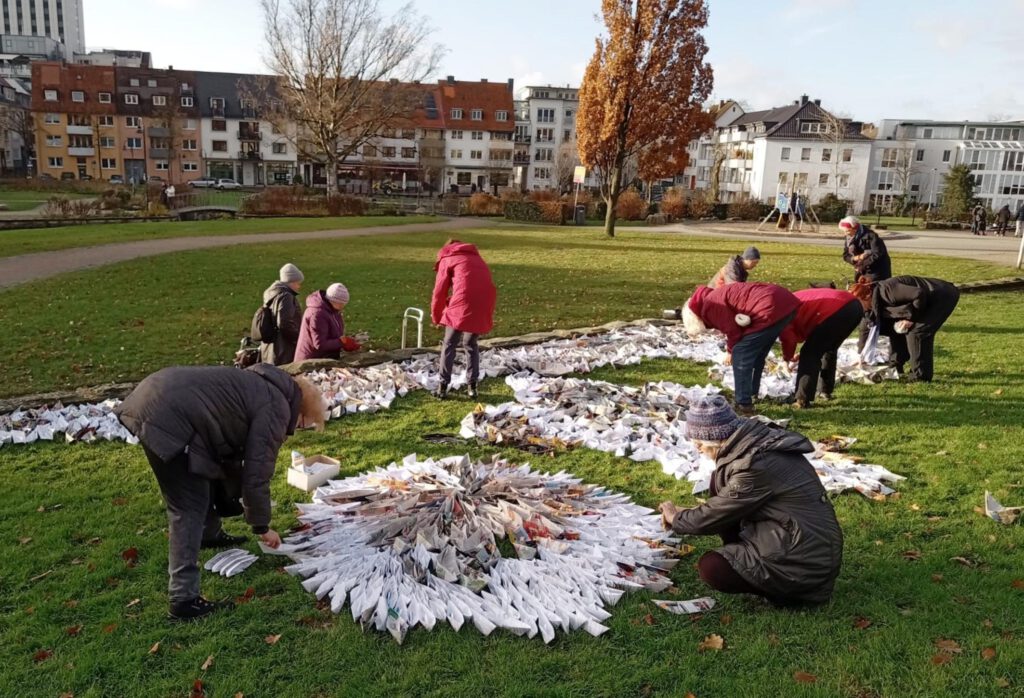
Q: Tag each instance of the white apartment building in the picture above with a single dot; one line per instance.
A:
(61, 20)
(911, 158)
(549, 137)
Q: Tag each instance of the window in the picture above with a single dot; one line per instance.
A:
(162, 165)
(133, 144)
(805, 155)
(408, 134)
(52, 118)
(801, 179)
(133, 82)
(53, 141)
(464, 178)
(220, 146)
(50, 96)
(78, 120)
(388, 151)
(159, 100)
(408, 153)
(477, 135)
(190, 167)
(106, 120)
(568, 113)
(77, 141)
(545, 116)
(847, 154)
(456, 113)
(107, 142)
(822, 180)
(844, 180)
(219, 125)
(785, 153)
(389, 133)
(501, 115)
(217, 103)
(131, 98)
(476, 155)
(826, 155)
(186, 101)
(914, 188)
(927, 133)
(1013, 162)
(813, 127)
(919, 156)
(477, 115)
(151, 82)
(279, 148)
(188, 125)
(889, 157)
(55, 162)
(456, 135)
(545, 135)
(369, 151)
(132, 121)
(77, 96)
(545, 155)
(456, 154)
(108, 163)
(566, 135)
(783, 177)
(945, 155)
(542, 172)
(189, 144)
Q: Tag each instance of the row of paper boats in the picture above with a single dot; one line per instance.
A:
(420, 543)
(86, 423)
(642, 424)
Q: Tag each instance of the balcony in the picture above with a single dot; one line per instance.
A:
(521, 160)
(158, 132)
(250, 155)
(81, 152)
(159, 153)
(77, 130)
(250, 136)
(523, 139)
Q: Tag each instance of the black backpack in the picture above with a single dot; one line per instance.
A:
(264, 325)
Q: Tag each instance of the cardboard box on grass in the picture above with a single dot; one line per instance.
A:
(326, 469)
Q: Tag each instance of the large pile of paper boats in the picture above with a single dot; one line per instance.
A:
(642, 424)
(85, 423)
(493, 544)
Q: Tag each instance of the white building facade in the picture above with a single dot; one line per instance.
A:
(546, 138)
(61, 20)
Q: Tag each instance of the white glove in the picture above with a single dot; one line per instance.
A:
(742, 320)
(903, 326)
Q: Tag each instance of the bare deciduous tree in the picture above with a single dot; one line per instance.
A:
(835, 135)
(17, 120)
(342, 73)
(904, 168)
(566, 160)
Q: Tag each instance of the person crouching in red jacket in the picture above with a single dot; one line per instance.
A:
(752, 316)
(824, 320)
(463, 302)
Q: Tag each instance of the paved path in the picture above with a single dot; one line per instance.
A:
(41, 265)
(949, 243)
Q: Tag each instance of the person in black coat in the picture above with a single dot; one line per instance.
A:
(910, 310)
(211, 435)
(870, 259)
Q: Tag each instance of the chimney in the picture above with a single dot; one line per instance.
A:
(451, 80)
(483, 79)
(170, 67)
(817, 102)
(803, 100)
(511, 82)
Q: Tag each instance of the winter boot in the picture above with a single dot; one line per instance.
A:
(194, 609)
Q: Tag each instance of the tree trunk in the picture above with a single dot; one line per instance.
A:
(331, 174)
(614, 189)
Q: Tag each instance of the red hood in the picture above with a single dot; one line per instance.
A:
(697, 301)
(456, 248)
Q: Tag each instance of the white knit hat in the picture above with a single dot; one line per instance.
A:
(337, 293)
(290, 273)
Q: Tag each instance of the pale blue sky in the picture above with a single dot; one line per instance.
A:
(870, 59)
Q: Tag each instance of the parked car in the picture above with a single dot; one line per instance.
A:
(227, 184)
(116, 179)
(202, 183)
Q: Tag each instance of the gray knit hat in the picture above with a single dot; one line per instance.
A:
(711, 419)
(751, 253)
(290, 273)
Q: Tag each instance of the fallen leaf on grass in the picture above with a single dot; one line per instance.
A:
(197, 690)
(685, 549)
(94, 541)
(988, 654)
(964, 561)
(24, 541)
(47, 573)
(1017, 584)
(986, 623)
(155, 648)
(1002, 682)
(271, 639)
(773, 640)
(71, 603)
(42, 656)
(915, 507)
(804, 677)
(649, 619)
(239, 695)
(862, 623)
(208, 663)
(711, 642)
(67, 694)
(937, 578)
(130, 556)
(940, 659)
(30, 610)
(911, 555)
(948, 646)
(725, 619)
(73, 631)
(120, 501)
(133, 602)
(107, 629)
(246, 597)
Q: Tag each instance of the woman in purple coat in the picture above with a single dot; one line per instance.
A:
(322, 335)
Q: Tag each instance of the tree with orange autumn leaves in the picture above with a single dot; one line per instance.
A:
(643, 93)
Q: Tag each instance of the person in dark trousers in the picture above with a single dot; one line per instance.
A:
(752, 316)
(323, 325)
(910, 310)
(780, 536)
(211, 435)
(281, 297)
(979, 219)
(1003, 217)
(824, 320)
(737, 269)
(1020, 220)
(870, 259)
(463, 303)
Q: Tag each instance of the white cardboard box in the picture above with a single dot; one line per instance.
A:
(323, 469)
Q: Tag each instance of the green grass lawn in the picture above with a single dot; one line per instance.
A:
(26, 200)
(16, 242)
(68, 512)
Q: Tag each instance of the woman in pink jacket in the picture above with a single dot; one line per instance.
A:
(463, 302)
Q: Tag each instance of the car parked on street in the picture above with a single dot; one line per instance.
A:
(116, 179)
(227, 184)
(202, 183)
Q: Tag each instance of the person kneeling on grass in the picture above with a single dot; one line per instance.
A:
(824, 320)
(737, 269)
(780, 536)
(322, 335)
(211, 435)
(752, 316)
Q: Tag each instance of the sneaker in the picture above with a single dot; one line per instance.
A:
(825, 397)
(194, 609)
(745, 410)
(222, 540)
(472, 392)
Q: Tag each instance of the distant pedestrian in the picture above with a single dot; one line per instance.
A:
(737, 269)
(978, 219)
(463, 303)
(281, 300)
(869, 256)
(1020, 219)
(1003, 217)
(323, 325)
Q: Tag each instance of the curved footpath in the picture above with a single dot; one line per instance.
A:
(42, 265)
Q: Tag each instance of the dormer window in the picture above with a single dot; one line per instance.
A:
(477, 115)
(456, 113)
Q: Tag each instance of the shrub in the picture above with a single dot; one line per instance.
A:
(601, 210)
(543, 195)
(528, 211)
(481, 204)
(674, 204)
(747, 209)
(631, 206)
(831, 209)
(345, 205)
(297, 180)
(701, 206)
(556, 212)
(280, 201)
